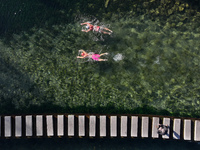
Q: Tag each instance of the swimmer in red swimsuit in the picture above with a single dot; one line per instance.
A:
(92, 55)
(96, 28)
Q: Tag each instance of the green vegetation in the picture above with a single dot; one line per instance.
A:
(158, 75)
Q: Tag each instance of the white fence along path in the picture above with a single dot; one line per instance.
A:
(97, 126)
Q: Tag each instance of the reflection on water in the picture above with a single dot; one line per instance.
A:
(96, 144)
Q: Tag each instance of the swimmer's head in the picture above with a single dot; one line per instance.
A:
(82, 54)
(87, 27)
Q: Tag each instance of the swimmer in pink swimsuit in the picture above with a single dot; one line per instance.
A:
(92, 55)
(95, 57)
(96, 28)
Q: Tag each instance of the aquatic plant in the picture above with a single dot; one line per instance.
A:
(159, 71)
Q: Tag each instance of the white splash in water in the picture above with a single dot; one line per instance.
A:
(118, 57)
(157, 61)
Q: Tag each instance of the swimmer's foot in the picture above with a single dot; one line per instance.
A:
(104, 54)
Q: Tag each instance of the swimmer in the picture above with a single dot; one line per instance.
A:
(92, 55)
(96, 28)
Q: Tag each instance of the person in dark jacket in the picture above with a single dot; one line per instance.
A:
(162, 129)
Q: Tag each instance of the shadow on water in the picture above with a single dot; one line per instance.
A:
(49, 107)
(96, 144)
(15, 88)
(21, 16)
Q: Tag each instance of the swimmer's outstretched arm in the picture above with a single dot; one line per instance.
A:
(81, 50)
(86, 23)
(86, 30)
(82, 56)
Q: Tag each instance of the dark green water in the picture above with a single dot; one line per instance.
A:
(158, 41)
(159, 72)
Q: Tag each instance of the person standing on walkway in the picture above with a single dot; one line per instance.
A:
(162, 129)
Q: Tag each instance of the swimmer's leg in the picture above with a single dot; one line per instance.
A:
(103, 54)
(107, 29)
(105, 32)
(103, 60)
